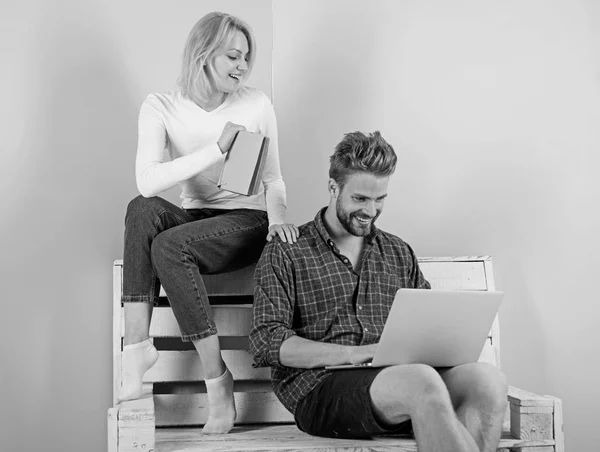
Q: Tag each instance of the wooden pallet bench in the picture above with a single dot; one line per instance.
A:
(168, 416)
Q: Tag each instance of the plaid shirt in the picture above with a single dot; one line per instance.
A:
(310, 289)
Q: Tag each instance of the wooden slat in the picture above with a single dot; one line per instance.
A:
(285, 438)
(226, 343)
(192, 409)
(488, 354)
(495, 331)
(454, 258)
(116, 330)
(531, 426)
(521, 397)
(232, 320)
(290, 438)
(186, 366)
(559, 435)
(454, 275)
(493, 343)
(112, 430)
(534, 449)
(198, 387)
(464, 273)
(136, 425)
(532, 409)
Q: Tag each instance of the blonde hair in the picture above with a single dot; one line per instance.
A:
(358, 152)
(206, 38)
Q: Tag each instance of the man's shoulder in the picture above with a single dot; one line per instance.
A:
(392, 240)
(307, 240)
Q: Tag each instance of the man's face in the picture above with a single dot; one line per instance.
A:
(360, 201)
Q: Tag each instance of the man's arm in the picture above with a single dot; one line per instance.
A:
(273, 342)
(417, 278)
(306, 354)
(273, 306)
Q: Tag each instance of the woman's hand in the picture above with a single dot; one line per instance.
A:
(287, 232)
(229, 132)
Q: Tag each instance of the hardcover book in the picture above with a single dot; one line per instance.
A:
(243, 167)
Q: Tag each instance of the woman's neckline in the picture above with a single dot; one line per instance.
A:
(217, 108)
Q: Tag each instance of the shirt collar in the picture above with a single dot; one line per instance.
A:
(320, 225)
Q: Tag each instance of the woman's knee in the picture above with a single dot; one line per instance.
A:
(164, 248)
(142, 208)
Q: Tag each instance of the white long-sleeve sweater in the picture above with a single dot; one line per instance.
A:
(169, 123)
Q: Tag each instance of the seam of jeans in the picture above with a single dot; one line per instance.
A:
(209, 321)
(137, 299)
(157, 221)
(223, 233)
(193, 337)
(165, 211)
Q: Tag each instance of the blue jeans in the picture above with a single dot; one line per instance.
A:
(167, 245)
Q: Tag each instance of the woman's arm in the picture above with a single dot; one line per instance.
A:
(153, 174)
(275, 194)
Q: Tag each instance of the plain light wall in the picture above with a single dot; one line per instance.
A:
(493, 109)
(74, 75)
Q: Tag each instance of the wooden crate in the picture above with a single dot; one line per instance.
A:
(174, 404)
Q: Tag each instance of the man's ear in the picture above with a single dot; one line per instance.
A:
(334, 188)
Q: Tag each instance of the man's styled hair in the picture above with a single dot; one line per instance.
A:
(359, 152)
(206, 38)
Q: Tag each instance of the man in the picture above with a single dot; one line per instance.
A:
(324, 301)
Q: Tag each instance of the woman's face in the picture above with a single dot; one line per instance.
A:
(230, 64)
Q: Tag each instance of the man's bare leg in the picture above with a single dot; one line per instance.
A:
(418, 392)
(478, 392)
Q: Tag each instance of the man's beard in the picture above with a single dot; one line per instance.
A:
(352, 226)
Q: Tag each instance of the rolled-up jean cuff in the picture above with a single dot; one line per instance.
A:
(139, 299)
(204, 334)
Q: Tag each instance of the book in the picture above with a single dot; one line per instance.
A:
(244, 163)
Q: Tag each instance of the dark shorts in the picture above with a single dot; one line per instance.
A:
(340, 407)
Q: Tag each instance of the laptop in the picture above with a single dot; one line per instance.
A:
(441, 328)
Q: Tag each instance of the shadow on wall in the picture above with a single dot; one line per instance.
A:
(69, 208)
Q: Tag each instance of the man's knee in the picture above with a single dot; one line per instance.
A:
(415, 387)
(487, 386)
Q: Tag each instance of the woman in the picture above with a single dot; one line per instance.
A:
(215, 230)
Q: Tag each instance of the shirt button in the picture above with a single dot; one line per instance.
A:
(366, 330)
(360, 307)
(345, 261)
